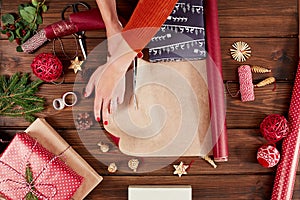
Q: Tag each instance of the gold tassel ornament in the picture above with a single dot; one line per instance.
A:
(259, 69)
(265, 82)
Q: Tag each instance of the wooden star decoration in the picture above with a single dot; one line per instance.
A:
(76, 65)
(180, 169)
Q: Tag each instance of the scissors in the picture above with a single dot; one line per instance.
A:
(80, 35)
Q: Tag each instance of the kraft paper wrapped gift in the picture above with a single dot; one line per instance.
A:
(54, 143)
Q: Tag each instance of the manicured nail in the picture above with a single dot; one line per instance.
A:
(140, 54)
(98, 119)
(84, 92)
(105, 123)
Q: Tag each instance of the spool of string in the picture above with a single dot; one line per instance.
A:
(47, 67)
(246, 85)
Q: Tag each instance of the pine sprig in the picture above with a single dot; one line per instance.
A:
(29, 179)
(17, 96)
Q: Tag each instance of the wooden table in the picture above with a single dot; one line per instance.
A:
(269, 27)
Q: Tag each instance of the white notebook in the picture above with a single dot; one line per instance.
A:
(160, 192)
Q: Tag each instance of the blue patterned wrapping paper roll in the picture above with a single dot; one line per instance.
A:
(182, 36)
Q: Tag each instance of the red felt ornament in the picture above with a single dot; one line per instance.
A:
(268, 155)
(47, 67)
(274, 127)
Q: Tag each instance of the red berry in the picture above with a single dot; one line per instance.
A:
(3, 28)
(8, 34)
(18, 41)
(12, 27)
(24, 32)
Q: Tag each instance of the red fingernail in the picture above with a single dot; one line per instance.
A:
(98, 119)
(140, 54)
(105, 123)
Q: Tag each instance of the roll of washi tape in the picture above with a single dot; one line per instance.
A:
(74, 101)
(246, 85)
(58, 104)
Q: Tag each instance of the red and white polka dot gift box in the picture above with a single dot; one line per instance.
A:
(50, 177)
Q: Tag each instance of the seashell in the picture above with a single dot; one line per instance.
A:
(259, 69)
(133, 164)
(103, 147)
(265, 82)
(241, 51)
(112, 168)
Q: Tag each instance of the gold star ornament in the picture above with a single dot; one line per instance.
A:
(180, 169)
(76, 65)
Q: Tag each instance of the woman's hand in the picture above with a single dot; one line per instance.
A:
(109, 84)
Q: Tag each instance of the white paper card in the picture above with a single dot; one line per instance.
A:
(159, 192)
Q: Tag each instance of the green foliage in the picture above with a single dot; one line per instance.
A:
(29, 179)
(17, 96)
(21, 26)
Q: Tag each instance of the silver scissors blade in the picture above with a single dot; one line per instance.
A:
(82, 45)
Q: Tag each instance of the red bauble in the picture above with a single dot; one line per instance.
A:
(274, 127)
(268, 155)
(47, 67)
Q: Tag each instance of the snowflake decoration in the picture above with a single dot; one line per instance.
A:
(241, 51)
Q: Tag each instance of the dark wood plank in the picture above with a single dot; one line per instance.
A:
(257, 7)
(258, 26)
(278, 54)
(239, 114)
(204, 187)
(243, 146)
(267, 101)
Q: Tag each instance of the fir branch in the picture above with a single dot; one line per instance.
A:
(17, 96)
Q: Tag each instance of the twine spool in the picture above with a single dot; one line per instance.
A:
(274, 127)
(47, 67)
(246, 85)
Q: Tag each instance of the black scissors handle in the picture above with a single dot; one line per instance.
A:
(75, 8)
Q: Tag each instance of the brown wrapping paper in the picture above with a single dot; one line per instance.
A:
(181, 127)
(54, 143)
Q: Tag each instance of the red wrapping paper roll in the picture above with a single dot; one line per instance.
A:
(215, 82)
(287, 168)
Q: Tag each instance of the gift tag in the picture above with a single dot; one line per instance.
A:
(160, 192)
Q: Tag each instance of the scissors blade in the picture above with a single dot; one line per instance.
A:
(135, 64)
(82, 46)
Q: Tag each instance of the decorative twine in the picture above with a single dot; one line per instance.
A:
(31, 186)
(3, 142)
(228, 90)
(63, 48)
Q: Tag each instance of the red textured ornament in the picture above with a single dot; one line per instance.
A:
(274, 127)
(47, 67)
(268, 155)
